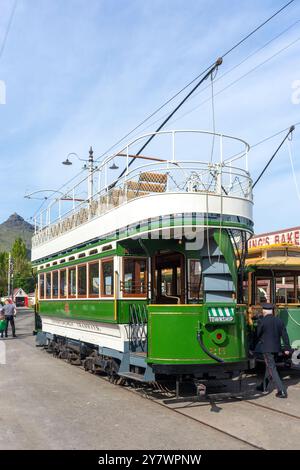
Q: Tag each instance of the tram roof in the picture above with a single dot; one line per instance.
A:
(280, 261)
(274, 246)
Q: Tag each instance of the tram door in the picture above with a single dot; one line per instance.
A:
(168, 278)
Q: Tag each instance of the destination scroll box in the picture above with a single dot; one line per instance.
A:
(220, 314)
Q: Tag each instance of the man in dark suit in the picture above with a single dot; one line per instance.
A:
(270, 331)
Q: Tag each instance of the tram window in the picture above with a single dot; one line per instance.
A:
(48, 286)
(135, 276)
(94, 279)
(55, 284)
(41, 286)
(72, 282)
(274, 253)
(298, 289)
(257, 254)
(166, 281)
(107, 268)
(294, 253)
(81, 280)
(107, 247)
(285, 290)
(263, 291)
(194, 282)
(63, 284)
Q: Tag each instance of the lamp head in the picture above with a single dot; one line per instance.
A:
(113, 167)
(67, 162)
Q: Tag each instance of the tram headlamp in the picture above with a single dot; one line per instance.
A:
(218, 336)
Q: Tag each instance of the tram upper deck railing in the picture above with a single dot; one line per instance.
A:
(228, 176)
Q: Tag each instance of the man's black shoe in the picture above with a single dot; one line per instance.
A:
(260, 388)
(281, 395)
(14, 336)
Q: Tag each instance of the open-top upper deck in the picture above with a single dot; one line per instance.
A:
(157, 185)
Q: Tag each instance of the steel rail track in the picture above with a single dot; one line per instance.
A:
(259, 405)
(143, 394)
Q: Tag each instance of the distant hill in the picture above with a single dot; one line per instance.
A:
(15, 226)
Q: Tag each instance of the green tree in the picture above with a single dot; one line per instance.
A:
(3, 273)
(19, 255)
(23, 276)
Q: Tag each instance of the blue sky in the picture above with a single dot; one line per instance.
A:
(80, 74)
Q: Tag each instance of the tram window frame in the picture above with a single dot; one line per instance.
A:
(42, 276)
(295, 254)
(91, 295)
(277, 253)
(70, 295)
(298, 288)
(290, 293)
(54, 295)
(79, 267)
(259, 299)
(102, 278)
(137, 272)
(48, 285)
(200, 296)
(63, 295)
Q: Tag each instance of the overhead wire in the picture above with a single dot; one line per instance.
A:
(223, 75)
(223, 89)
(266, 139)
(8, 27)
(238, 79)
(289, 146)
(199, 75)
(291, 129)
(261, 25)
(213, 69)
(258, 27)
(249, 56)
(219, 92)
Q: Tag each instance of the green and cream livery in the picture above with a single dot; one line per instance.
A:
(142, 278)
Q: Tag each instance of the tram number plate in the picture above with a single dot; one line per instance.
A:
(220, 314)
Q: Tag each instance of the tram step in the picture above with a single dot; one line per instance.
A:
(133, 376)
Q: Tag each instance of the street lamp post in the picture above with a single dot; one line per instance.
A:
(91, 172)
(89, 165)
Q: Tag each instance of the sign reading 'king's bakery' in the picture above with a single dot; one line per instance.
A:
(288, 237)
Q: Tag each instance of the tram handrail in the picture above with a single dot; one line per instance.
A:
(221, 178)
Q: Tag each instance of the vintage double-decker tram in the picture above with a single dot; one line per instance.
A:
(141, 278)
(273, 262)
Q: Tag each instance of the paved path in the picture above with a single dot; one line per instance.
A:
(49, 404)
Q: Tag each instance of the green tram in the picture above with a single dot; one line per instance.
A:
(273, 265)
(140, 279)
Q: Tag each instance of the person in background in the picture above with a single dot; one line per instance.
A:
(2, 321)
(270, 331)
(9, 311)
